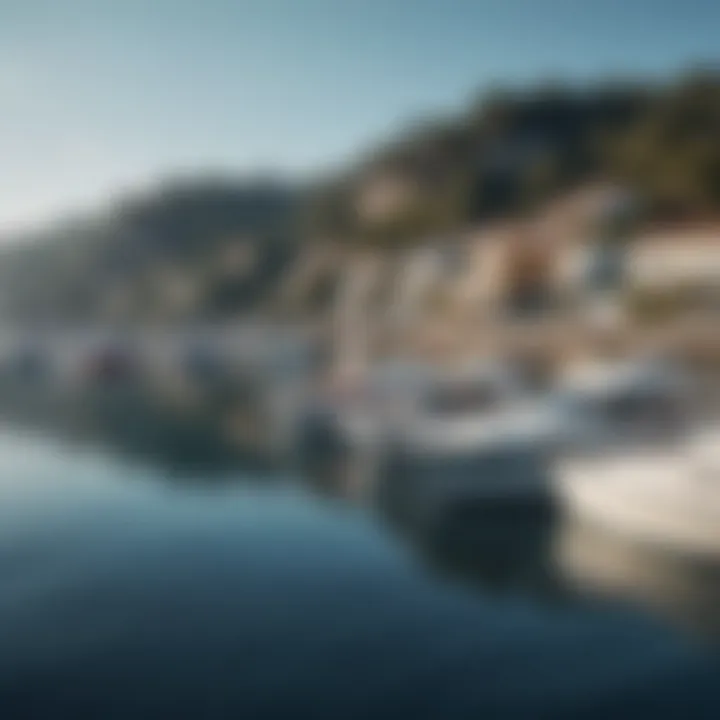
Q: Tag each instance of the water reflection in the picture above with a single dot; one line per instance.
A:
(502, 550)
(210, 430)
(119, 591)
(528, 550)
(682, 588)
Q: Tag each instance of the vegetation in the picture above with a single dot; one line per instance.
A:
(513, 151)
(172, 253)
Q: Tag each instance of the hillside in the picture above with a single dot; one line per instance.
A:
(211, 248)
(513, 151)
(188, 250)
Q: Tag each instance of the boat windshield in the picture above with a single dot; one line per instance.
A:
(631, 408)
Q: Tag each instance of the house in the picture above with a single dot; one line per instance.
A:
(676, 257)
(383, 197)
(655, 260)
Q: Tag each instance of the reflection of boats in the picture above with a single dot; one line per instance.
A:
(134, 421)
(495, 460)
(602, 564)
(499, 549)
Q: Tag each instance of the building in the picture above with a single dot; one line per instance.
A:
(677, 257)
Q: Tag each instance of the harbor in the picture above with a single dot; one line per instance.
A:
(359, 360)
(481, 468)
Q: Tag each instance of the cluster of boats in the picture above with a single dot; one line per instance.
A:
(107, 358)
(617, 443)
(93, 360)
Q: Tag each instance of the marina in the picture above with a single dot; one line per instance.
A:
(359, 360)
(170, 489)
(628, 444)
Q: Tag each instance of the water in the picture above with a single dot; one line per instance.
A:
(132, 587)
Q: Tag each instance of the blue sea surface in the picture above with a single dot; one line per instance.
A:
(125, 594)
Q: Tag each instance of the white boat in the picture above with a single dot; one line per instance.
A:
(668, 495)
(655, 478)
(504, 453)
(475, 436)
(614, 404)
(424, 399)
(357, 411)
(407, 404)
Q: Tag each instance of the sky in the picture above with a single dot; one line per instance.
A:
(101, 96)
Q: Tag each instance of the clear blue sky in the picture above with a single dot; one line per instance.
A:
(98, 95)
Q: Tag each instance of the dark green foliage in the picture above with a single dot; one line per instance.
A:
(506, 155)
(512, 151)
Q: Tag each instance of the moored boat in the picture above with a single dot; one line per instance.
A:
(656, 478)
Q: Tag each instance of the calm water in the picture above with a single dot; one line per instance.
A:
(130, 590)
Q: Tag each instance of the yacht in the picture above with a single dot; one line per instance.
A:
(668, 495)
(506, 451)
(611, 404)
(395, 399)
(653, 475)
(356, 410)
(475, 434)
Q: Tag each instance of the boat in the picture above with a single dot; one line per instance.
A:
(506, 452)
(474, 436)
(400, 400)
(367, 414)
(654, 478)
(611, 404)
(356, 413)
(667, 495)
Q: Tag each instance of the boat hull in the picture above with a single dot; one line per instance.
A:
(663, 498)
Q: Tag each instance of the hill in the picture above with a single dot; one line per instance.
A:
(193, 249)
(513, 151)
(208, 248)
